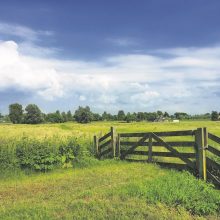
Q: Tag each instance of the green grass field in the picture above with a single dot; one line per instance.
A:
(109, 189)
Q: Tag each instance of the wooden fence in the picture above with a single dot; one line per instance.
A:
(188, 149)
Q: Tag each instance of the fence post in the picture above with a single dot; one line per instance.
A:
(201, 142)
(118, 146)
(150, 146)
(113, 141)
(96, 145)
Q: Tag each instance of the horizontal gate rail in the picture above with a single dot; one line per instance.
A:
(125, 146)
(156, 144)
(213, 150)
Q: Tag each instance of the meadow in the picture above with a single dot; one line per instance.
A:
(67, 182)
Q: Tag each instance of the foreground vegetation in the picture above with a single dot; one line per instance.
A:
(36, 184)
(109, 190)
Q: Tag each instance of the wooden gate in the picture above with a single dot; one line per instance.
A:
(195, 150)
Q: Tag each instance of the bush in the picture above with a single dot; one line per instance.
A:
(36, 155)
(8, 160)
(69, 152)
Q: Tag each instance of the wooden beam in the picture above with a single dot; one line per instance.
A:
(113, 141)
(214, 138)
(150, 149)
(104, 137)
(172, 150)
(156, 144)
(105, 144)
(135, 145)
(161, 134)
(96, 146)
(201, 142)
(213, 150)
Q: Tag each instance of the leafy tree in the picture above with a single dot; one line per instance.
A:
(130, 117)
(96, 117)
(83, 115)
(166, 115)
(69, 116)
(33, 114)
(16, 113)
(214, 116)
(64, 117)
(140, 116)
(159, 113)
(121, 115)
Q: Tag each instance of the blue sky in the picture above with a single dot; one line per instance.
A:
(134, 55)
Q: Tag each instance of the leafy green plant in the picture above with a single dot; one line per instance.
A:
(68, 152)
(36, 155)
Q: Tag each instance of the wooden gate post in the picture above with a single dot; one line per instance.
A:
(118, 146)
(201, 144)
(113, 141)
(150, 145)
(96, 146)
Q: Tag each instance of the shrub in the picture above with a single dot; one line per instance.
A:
(36, 155)
(68, 152)
(8, 160)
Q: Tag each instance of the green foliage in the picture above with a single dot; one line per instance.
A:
(215, 116)
(68, 152)
(33, 114)
(83, 115)
(16, 113)
(121, 115)
(36, 155)
(178, 189)
(8, 160)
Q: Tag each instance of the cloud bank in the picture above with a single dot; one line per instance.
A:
(175, 79)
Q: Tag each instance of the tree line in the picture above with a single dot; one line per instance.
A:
(32, 114)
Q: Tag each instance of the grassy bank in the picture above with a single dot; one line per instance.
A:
(109, 190)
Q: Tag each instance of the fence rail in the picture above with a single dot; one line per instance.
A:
(203, 158)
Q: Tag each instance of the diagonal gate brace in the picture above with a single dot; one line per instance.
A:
(172, 150)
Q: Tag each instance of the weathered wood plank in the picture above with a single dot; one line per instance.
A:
(161, 134)
(113, 141)
(214, 138)
(213, 150)
(135, 146)
(105, 152)
(212, 164)
(96, 145)
(104, 137)
(174, 151)
(156, 144)
(163, 154)
(105, 144)
(150, 149)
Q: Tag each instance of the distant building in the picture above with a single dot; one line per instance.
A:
(176, 121)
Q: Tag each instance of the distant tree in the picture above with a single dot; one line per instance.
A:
(166, 115)
(64, 117)
(69, 116)
(83, 115)
(96, 117)
(140, 116)
(181, 115)
(33, 114)
(130, 117)
(16, 113)
(121, 115)
(159, 113)
(214, 116)
(104, 116)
